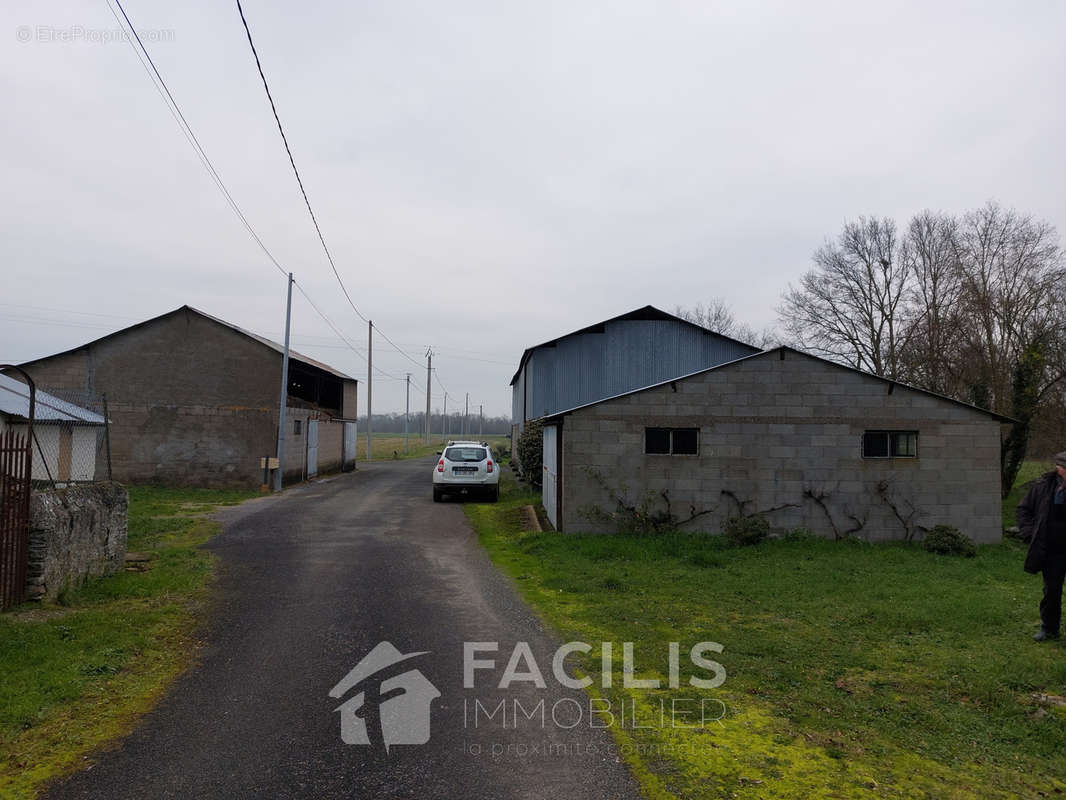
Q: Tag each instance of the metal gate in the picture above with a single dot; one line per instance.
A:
(312, 448)
(551, 475)
(348, 456)
(16, 460)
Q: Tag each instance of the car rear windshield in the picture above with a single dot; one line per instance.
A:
(465, 454)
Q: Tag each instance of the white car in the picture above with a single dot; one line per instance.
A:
(466, 468)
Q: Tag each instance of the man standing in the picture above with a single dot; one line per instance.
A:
(1042, 521)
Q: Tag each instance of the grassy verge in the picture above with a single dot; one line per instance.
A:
(76, 674)
(1030, 471)
(387, 446)
(854, 670)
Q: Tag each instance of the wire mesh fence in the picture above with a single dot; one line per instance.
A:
(70, 439)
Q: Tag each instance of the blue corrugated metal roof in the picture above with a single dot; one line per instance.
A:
(645, 313)
(627, 352)
(15, 402)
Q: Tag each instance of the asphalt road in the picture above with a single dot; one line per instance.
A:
(310, 582)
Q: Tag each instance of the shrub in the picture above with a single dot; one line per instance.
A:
(745, 531)
(947, 540)
(531, 452)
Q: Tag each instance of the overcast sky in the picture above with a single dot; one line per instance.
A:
(489, 175)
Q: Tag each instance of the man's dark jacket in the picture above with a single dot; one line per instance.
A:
(1033, 513)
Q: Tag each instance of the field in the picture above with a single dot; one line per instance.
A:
(78, 673)
(391, 445)
(853, 670)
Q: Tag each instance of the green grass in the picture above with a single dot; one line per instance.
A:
(78, 673)
(388, 446)
(854, 670)
(1030, 471)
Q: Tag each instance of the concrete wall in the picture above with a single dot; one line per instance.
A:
(771, 430)
(75, 533)
(192, 402)
(330, 444)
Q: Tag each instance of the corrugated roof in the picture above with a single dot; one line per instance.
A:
(644, 313)
(15, 402)
(784, 348)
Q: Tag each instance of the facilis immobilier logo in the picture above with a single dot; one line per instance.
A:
(393, 700)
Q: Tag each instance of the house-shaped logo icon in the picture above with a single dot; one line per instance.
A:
(392, 705)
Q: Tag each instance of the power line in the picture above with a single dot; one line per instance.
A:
(397, 348)
(303, 191)
(161, 87)
(65, 311)
(292, 161)
(336, 330)
(190, 136)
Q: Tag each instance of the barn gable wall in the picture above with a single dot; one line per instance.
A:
(775, 434)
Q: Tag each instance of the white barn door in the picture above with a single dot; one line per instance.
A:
(551, 474)
(312, 448)
(349, 445)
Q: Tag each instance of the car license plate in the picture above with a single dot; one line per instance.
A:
(464, 470)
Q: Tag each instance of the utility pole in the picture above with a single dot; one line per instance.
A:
(429, 385)
(369, 383)
(480, 421)
(284, 392)
(406, 414)
(444, 420)
(466, 415)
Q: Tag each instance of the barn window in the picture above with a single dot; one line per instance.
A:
(890, 444)
(671, 441)
(297, 427)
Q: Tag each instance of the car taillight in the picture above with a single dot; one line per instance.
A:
(440, 465)
(490, 465)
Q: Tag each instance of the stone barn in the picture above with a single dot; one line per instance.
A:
(193, 401)
(806, 442)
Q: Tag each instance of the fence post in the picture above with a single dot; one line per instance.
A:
(107, 436)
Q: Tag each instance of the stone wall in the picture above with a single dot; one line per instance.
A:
(75, 534)
(784, 437)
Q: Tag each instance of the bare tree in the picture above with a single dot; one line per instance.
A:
(715, 316)
(929, 253)
(850, 306)
(718, 317)
(974, 308)
(1012, 295)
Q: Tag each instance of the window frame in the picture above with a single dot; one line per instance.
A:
(670, 432)
(297, 427)
(891, 452)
